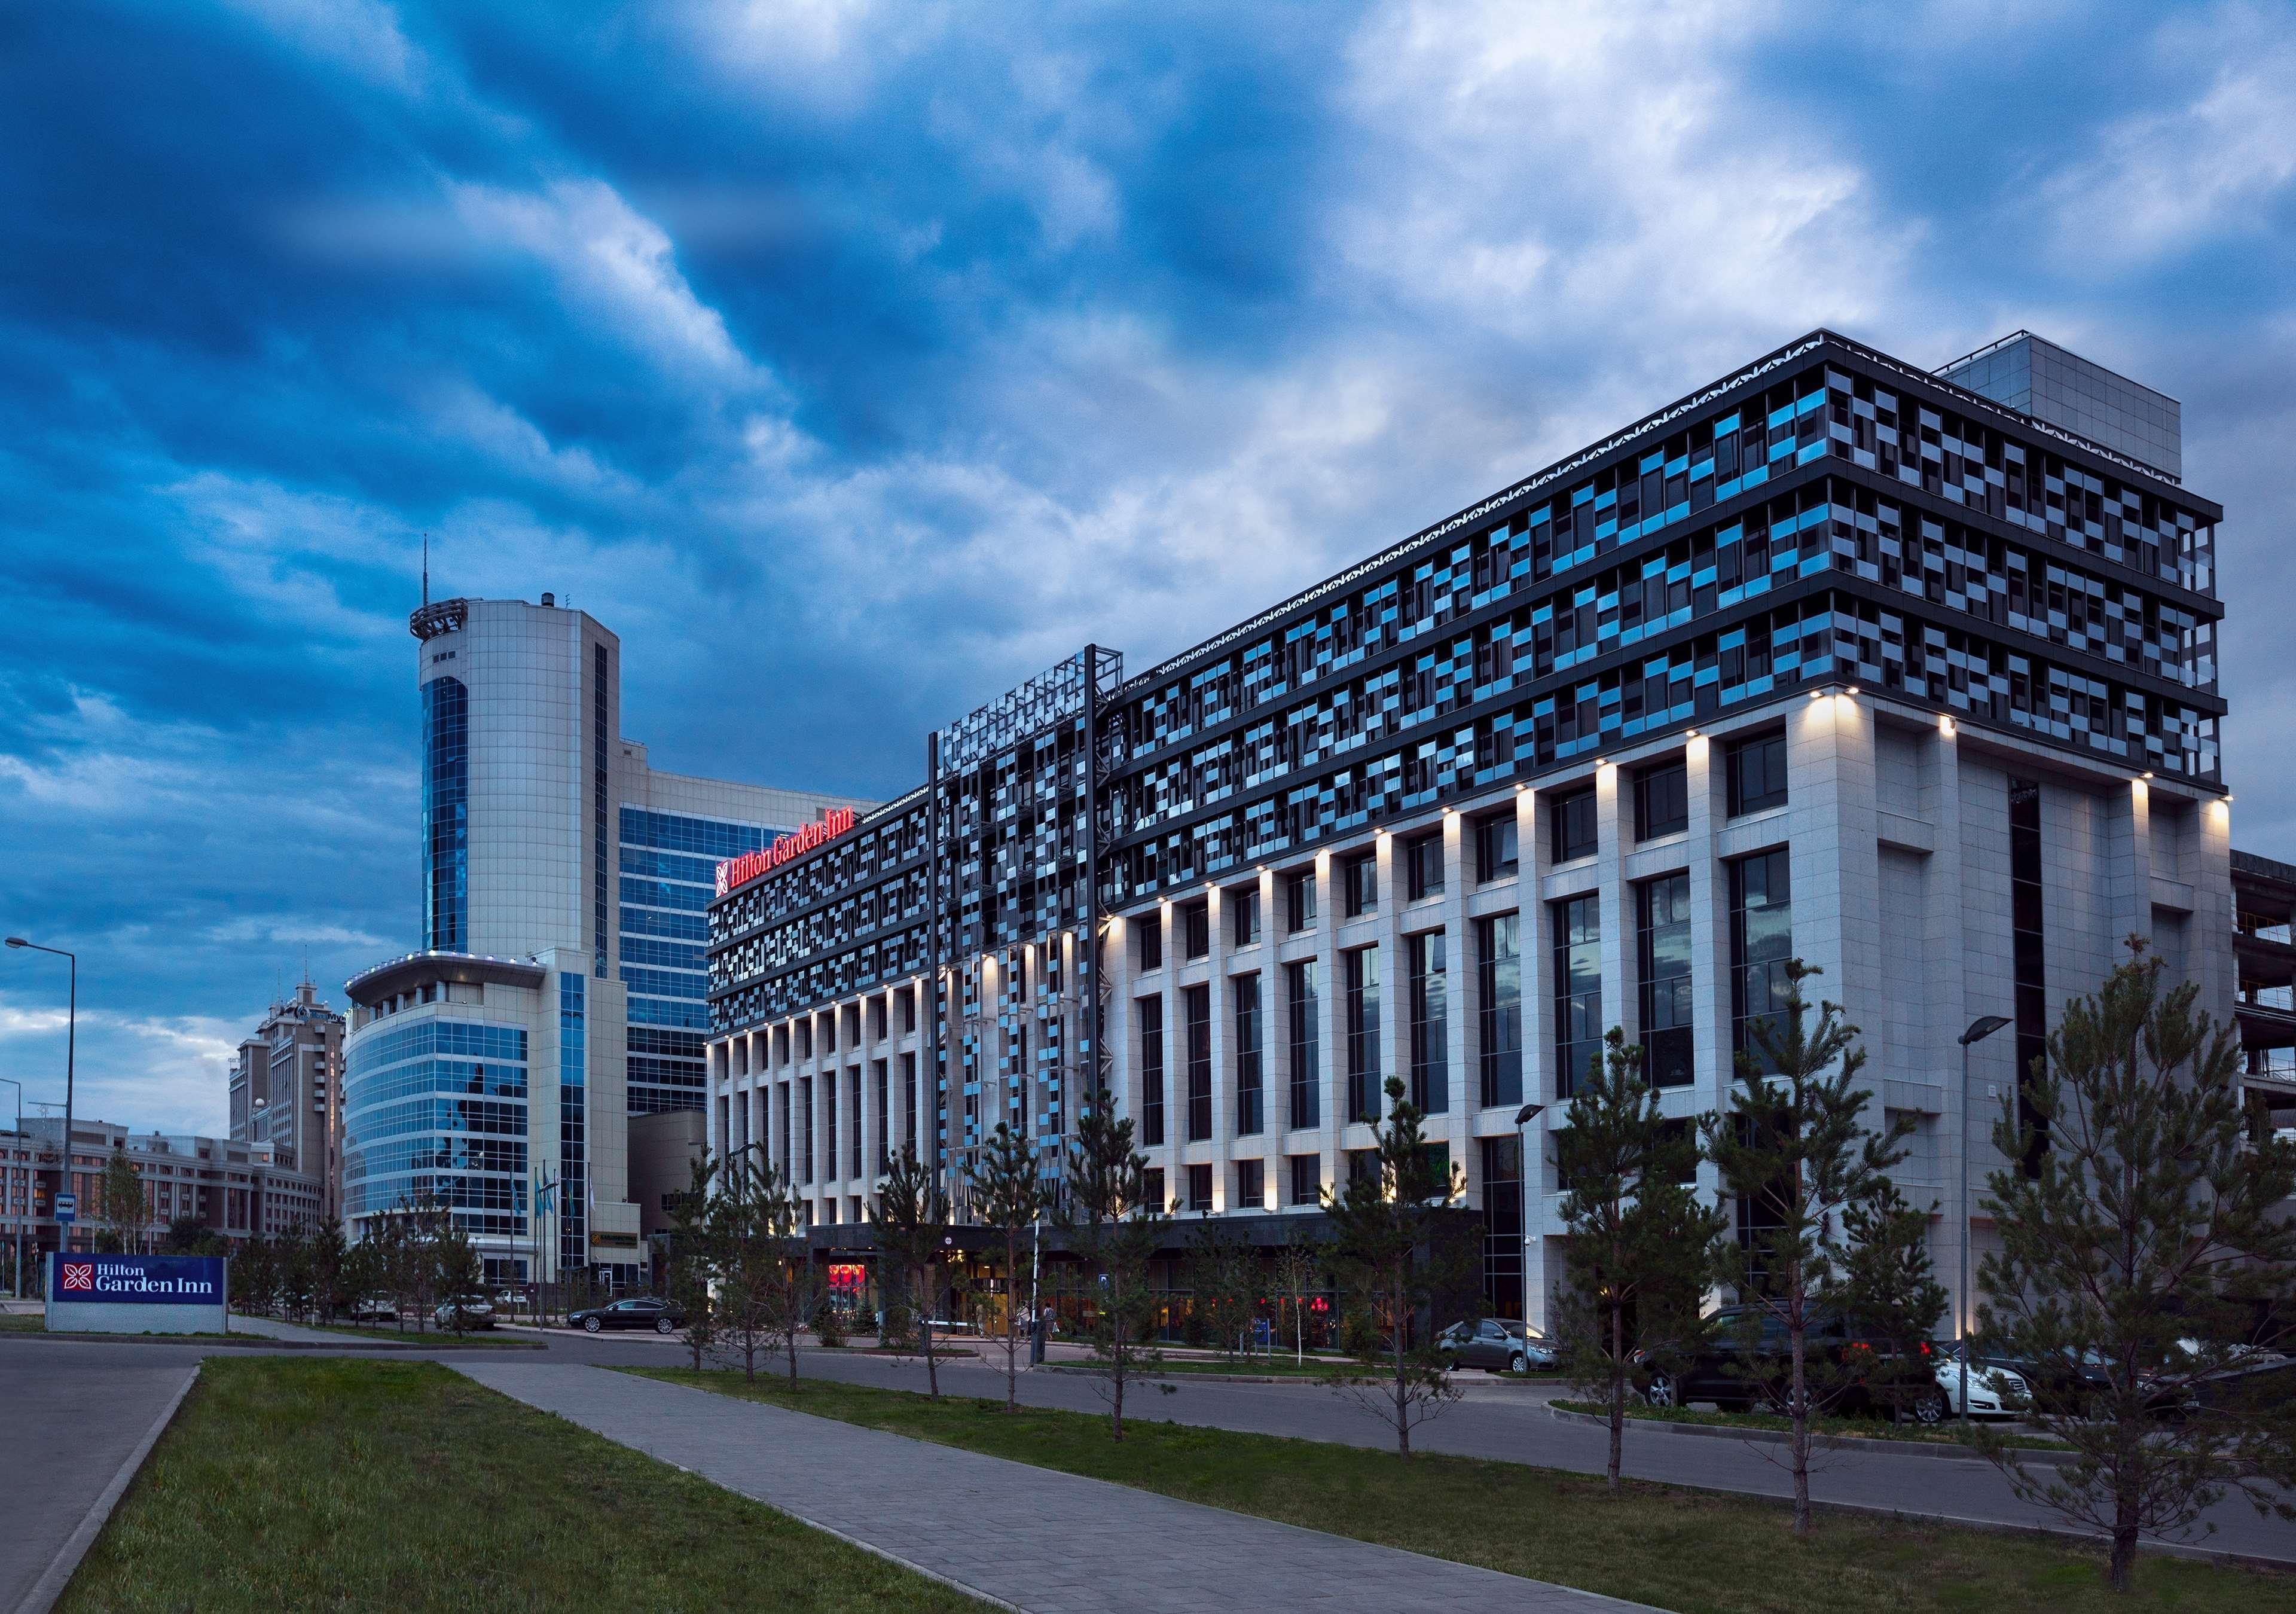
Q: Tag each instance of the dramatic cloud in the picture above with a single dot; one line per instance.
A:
(882, 354)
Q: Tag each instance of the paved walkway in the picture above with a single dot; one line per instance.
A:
(1026, 1537)
(67, 1436)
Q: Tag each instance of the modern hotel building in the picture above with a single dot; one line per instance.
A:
(1891, 670)
(559, 989)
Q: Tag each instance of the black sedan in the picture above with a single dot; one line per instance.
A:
(645, 1311)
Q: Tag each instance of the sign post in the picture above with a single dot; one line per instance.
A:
(136, 1294)
(66, 1210)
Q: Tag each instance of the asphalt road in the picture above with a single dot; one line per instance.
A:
(73, 1410)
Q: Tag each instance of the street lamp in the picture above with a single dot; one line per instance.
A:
(71, 1039)
(1979, 1028)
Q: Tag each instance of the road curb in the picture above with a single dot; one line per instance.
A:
(60, 1569)
(1831, 1443)
(264, 1342)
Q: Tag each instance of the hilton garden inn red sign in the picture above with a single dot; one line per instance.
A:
(741, 871)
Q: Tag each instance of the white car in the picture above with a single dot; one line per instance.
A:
(1991, 1390)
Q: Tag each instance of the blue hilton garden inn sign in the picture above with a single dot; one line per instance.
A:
(137, 1294)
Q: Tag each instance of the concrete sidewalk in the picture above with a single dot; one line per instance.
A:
(71, 1436)
(1026, 1537)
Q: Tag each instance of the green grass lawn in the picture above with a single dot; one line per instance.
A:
(22, 1323)
(1948, 1433)
(1692, 1551)
(342, 1485)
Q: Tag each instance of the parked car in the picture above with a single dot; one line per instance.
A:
(375, 1308)
(643, 1311)
(1747, 1359)
(464, 1312)
(1994, 1392)
(1496, 1344)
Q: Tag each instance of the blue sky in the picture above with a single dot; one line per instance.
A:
(853, 360)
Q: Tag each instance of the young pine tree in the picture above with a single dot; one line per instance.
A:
(1007, 1195)
(1641, 1246)
(910, 1223)
(1387, 1250)
(691, 1259)
(2137, 1256)
(1116, 1225)
(753, 1224)
(1795, 1151)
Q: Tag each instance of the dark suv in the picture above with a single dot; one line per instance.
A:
(1746, 1361)
(656, 1316)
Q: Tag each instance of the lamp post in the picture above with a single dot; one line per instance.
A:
(1979, 1028)
(32, 1159)
(71, 1039)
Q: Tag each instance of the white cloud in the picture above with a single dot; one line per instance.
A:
(612, 262)
(2161, 182)
(1602, 175)
(164, 1072)
(363, 35)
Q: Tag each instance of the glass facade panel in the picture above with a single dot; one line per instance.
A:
(1303, 1015)
(1251, 1086)
(1149, 1012)
(1761, 945)
(1663, 963)
(1571, 822)
(1498, 948)
(1196, 1009)
(1430, 1043)
(1359, 970)
(1578, 989)
(446, 813)
(1662, 801)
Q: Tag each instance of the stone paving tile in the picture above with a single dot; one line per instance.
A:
(1029, 1537)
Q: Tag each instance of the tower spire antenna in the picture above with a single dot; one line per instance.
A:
(426, 571)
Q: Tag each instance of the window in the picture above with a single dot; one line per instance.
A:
(877, 1019)
(1195, 930)
(853, 1129)
(1196, 1011)
(805, 1108)
(908, 1000)
(829, 1086)
(1302, 1014)
(1571, 820)
(1151, 1188)
(1431, 1040)
(1360, 996)
(1250, 1098)
(1251, 1184)
(1150, 926)
(884, 1119)
(1243, 904)
(1200, 1188)
(1762, 944)
(828, 1031)
(1422, 865)
(852, 1018)
(805, 1037)
(1299, 901)
(1664, 964)
(2028, 975)
(1495, 846)
(1578, 989)
(1662, 801)
(911, 1128)
(1498, 965)
(1503, 1277)
(1757, 774)
(1150, 1013)
(1306, 1179)
(1359, 884)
